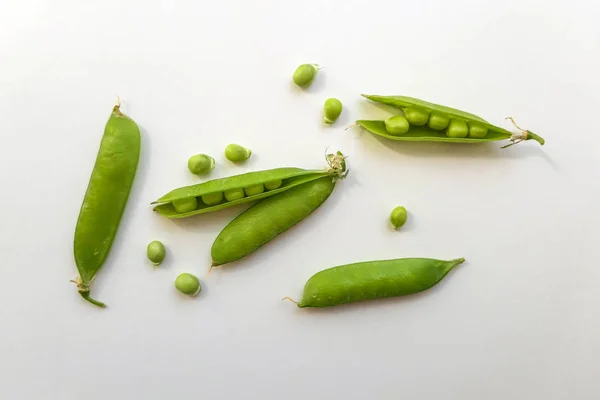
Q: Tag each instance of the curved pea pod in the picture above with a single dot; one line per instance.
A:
(290, 177)
(427, 134)
(105, 198)
(267, 219)
(371, 280)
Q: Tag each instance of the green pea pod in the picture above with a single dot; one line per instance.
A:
(105, 198)
(371, 280)
(427, 134)
(267, 219)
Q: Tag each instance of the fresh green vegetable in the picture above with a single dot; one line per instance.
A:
(254, 189)
(156, 252)
(201, 164)
(398, 217)
(416, 115)
(438, 121)
(397, 125)
(185, 204)
(331, 110)
(237, 153)
(457, 129)
(304, 74)
(234, 194)
(373, 280)
(105, 198)
(212, 199)
(188, 284)
(477, 130)
(272, 185)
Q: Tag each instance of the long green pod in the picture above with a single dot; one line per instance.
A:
(105, 198)
(267, 219)
(370, 280)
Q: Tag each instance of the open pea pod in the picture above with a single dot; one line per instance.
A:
(425, 133)
(289, 177)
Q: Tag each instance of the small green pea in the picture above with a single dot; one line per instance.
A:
(186, 204)
(200, 164)
(155, 252)
(416, 115)
(457, 129)
(477, 130)
(234, 194)
(254, 189)
(398, 217)
(273, 184)
(212, 199)
(235, 152)
(304, 74)
(438, 121)
(188, 284)
(397, 125)
(331, 110)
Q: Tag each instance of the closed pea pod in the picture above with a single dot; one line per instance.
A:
(371, 280)
(105, 198)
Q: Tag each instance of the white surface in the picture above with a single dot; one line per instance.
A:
(519, 320)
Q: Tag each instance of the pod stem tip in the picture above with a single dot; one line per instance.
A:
(290, 299)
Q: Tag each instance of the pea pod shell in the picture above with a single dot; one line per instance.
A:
(267, 219)
(374, 280)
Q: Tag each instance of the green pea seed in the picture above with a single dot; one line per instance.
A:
(438, 121)
(212, 199)
(304, 74)
(331, 110)
(477, 130)
(457, 129)
(416, 115)
(186, 204)
(398, 217)
(254, 189)
(397, 125)
(156, 252)
(273, 184)
(188, 284)
(235, 152)
(234, 194)
(200, 164)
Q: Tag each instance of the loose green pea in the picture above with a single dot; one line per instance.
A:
(332, 110)
(397, 125)
(254, 189)
(234, 194)
(235, 152)
(438, 121)
(477, 130)
(200, 164)
(398, 217)
(155, 252)
(304, 74)
(212, 199)
(457, 129)
(188, 284)
(273, 184)
(416, 115)
(186, 204)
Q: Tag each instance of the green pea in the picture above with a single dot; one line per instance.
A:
(397, 125)
(254, 189)
(477, 130)
(235, 152)
(331, 110)
(438, 121)
(185, 204)
(188, 284)
(457, 129)
(200, 164)
(234, 194)
(212, 199)
(304, 74)
(398, 217)
(416, 115)
(156, 252)
(273, 184)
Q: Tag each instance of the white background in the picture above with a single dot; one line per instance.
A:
(518, 320)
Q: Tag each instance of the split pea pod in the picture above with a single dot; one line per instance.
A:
(371, 280)
(267, 219)
(432, 119)
(105, 198)
(234, 190)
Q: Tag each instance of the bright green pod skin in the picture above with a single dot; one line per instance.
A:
(105, 198)
(477, 130)
(416, 115)
(234, 194)
(371, 280)
(272, 185)
(397, 125)
(304, 75)
(185, 205)
(457, 129)
(438, 121)
(212, 199)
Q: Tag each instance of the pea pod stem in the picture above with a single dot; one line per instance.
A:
(84, 291)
